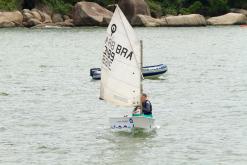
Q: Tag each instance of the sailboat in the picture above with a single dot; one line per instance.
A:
(121, 73)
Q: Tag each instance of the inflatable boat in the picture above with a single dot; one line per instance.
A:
(148, 71)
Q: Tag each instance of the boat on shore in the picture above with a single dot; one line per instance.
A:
(153, 71)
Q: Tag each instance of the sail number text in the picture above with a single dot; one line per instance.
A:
(112, 49)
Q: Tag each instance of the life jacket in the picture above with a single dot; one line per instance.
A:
(145, 106)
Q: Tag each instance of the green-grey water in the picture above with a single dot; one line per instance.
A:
(50, 112)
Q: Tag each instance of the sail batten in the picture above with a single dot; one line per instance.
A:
(120, 79)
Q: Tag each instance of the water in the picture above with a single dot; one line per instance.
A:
(50, 112)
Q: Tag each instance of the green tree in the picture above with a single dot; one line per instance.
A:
(8, 5)
(217, 7)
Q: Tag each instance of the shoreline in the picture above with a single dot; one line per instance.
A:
(91, 14)
(135, 27)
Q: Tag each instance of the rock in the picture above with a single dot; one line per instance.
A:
(35, 17)
(69, 21)
(66, 17)
(57, 18)
(10, 19)
(7, 24)
(184, 20)
(144, 20)
(131, 8)
(36, 14)
(46, 18)
(66, 23)
(90, 13)
(105, 21)
(228, 19)
(241, 11)
(32, 22)
(26, 11)
(27, 15)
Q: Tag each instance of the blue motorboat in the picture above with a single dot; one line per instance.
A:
(148, 71)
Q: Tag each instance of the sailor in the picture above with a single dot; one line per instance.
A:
(146, 106)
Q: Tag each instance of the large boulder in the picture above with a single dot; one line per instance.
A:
(10, 19)
(89, 13)
(184, 20)
(131, 8)
(228, 19)
(241, 11)
(147, 21)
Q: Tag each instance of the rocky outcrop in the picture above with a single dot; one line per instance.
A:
(185, 20)
(147, 21)
(182, 20)
(90, 14)
(31, 17)
(228, 19)
(131, 8)
(38, 18)
(10, 19)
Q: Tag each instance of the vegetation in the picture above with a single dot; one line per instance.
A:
(158, 7)
(8, 5)
(60, 6)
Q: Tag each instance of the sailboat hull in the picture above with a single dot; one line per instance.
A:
(127, 124)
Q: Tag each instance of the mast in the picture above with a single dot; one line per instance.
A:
(141, 75)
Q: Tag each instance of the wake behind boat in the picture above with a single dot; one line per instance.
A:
(121, 74)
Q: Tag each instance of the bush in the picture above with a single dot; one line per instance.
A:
(184, 11)
(170, 11)
(58, 6)
(217, 7)
(196, 7)
(155, 8)
(9, 5)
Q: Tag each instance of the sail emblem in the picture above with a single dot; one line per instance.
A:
(113, 28)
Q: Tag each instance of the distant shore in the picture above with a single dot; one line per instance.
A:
(92, 14)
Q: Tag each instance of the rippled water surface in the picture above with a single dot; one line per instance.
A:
(50, 112)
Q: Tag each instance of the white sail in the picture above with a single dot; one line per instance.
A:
(121, 73)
